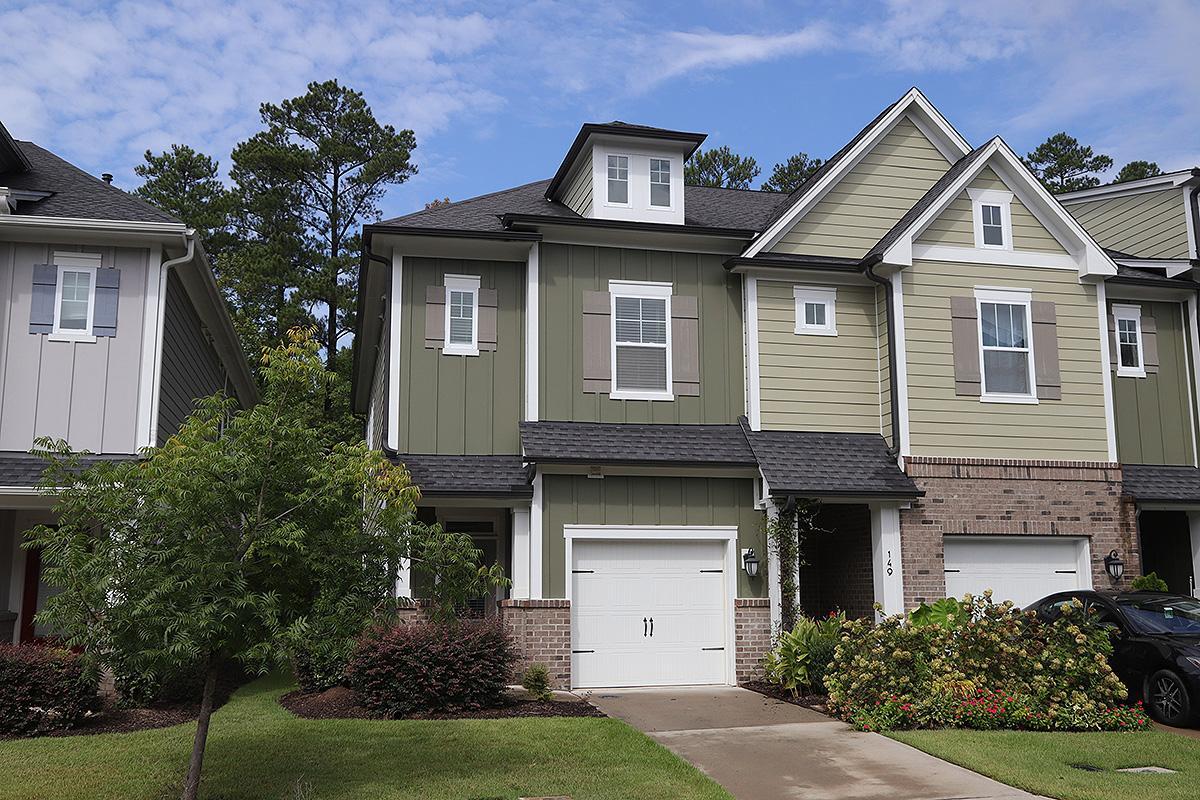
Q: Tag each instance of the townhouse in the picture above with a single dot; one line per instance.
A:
(611, 380)
(111, 325)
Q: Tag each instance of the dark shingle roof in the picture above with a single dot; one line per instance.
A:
(25, 469)
(1153, 276)
(813, 464)
(625, 443)
(75, 193)
(468, 475)
(1164, 484)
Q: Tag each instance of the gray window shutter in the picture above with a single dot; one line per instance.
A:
(486, 332)
(1113, 356)
(41, 309)
(435, 316)
(108, 290)
(597, 343)
(964, 332)
(685, 346)
(1045, 351)
(1149, 344)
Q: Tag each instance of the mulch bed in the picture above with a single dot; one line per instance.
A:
(817, 702)
(342, 703)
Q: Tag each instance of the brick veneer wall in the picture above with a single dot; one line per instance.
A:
(752, 635)
(1026, 498)
(541, 631)
(837, 574)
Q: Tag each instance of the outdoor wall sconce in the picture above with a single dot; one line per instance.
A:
(750, 562)
(1114, 566)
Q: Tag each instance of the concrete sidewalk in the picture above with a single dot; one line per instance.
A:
(764, 749)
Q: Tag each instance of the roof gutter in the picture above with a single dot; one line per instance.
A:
(889, 300)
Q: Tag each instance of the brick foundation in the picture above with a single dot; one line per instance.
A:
(541, 632)
(752, 635)
(1026, 498)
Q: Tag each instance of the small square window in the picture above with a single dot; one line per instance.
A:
(816, 311)
(660, 182)
(618, 180)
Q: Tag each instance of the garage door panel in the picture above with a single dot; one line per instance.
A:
(1021, 569)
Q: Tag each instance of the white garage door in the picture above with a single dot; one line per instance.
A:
(648, 613)
(1018, 568)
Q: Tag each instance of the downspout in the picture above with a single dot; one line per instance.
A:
(1195, 209)
(889, 300)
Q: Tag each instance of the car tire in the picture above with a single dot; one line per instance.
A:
(1167, 699)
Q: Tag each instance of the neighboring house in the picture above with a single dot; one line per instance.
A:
(111, 325)
(608, 378)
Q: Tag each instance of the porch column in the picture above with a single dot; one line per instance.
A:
(774, 590)
(520, 554)
(886, 570)
(404, 578)
(1194, 529)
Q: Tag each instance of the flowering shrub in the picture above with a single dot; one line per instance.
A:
(982, 665)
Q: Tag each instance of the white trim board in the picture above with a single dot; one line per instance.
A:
(532, 342)
(393, 377)
(1106, 380)
(753, 377)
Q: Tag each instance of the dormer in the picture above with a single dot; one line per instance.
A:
(625, 172)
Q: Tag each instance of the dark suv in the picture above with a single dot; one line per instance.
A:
(1156, 645)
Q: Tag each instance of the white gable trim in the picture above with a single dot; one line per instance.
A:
(1129, 188)
(923, 115)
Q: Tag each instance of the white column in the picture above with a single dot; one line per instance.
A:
(774, 590)
(1194, 527)
(520, 553)
(404, 579)
(887, 574)
(535, 541)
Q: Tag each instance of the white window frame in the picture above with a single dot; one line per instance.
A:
(817, 296)
(992, 197)
(638, 289)
(650, 184)
(462, 283)
(75, 262)
(608, 201)
(1014, 297)
(1134, 313)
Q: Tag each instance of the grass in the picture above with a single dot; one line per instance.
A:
(1042, 762)
(257, 749)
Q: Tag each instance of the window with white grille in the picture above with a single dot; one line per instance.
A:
(641, 342)
(462, 315)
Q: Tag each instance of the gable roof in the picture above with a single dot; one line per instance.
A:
(12, 159)
(617, 128)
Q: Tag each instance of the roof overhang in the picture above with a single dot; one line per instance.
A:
(1170, 180)
(793, 264)
(20, 227)
(687, 141)
(649, 235)
(12, 159)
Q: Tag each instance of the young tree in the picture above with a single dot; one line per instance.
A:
(187, 184)
(1136, 170)
(235, 540)
(1065, 165)
(788, 176)
(720, 167)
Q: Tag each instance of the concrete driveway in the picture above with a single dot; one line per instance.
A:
(763, 749)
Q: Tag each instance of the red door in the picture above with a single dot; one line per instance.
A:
(29, 595)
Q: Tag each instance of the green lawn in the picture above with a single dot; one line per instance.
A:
(258, 750)
(1041, 762)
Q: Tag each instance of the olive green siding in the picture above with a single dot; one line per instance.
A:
(1147, 225)
(818, 383)
(942, 423)
(618, 500)
(578, 196)
(885, 373)
(1154, 418)
(955, 226)
(567, 271)
(461, 404)
(870, 198)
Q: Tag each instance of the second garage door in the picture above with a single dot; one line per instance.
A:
(1018, 568)
(648, 613)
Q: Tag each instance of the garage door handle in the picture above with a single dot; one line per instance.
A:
(952, 570)
(1064, 572)
(583, 651)
(652, 627)
(643, 627)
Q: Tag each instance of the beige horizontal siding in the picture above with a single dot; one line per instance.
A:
(942, 423)
(578, 196)
(818, 383)
(955, 226)
(867, 201)
(1148, 225)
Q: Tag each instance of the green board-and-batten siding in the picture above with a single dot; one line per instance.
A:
(639, 500)
(567, 271)
(1147, 225)
(461, 404)
(956, 227)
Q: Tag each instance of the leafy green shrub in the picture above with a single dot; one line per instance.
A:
(536, 681)
(978, 664)
(1150, 582)
(801, 656)
(42, 689)
(432, 667)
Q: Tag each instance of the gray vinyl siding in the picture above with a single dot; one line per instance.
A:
(956, 227)
(461, 405)
(191, 368)
(644, 500)
(870, 198)
(567, 271)
(578, 196)
(84, 392)
(1147, 225)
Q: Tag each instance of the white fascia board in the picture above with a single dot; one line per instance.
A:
(162, 230)
(1129, 188)
(927, 119)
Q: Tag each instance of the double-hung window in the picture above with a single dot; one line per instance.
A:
(660, 182)
(641, 340)
(462, 315)
(618, 180)
(75, 297)
(1130, 360)
(1006, 346)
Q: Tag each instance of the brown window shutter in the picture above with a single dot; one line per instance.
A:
(964, 332)
(1045, 351)
(1149, 344)
(435, 317)
(685, 346)
(486, 332)
(597, 342)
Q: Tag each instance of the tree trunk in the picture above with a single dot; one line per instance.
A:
(192, 788)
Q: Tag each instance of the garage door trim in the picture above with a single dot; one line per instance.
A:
(687, 533)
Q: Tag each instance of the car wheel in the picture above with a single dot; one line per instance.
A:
(1167, 699)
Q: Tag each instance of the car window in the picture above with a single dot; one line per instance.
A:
(1100, 614)
(1054, 609)
(1163, 614)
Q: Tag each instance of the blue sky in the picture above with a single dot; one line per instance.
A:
(495, 91)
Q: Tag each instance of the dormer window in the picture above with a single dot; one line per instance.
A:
(618, 180)
(991, 211)
(660, 182)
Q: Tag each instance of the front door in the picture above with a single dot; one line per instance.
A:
(1167, 548)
